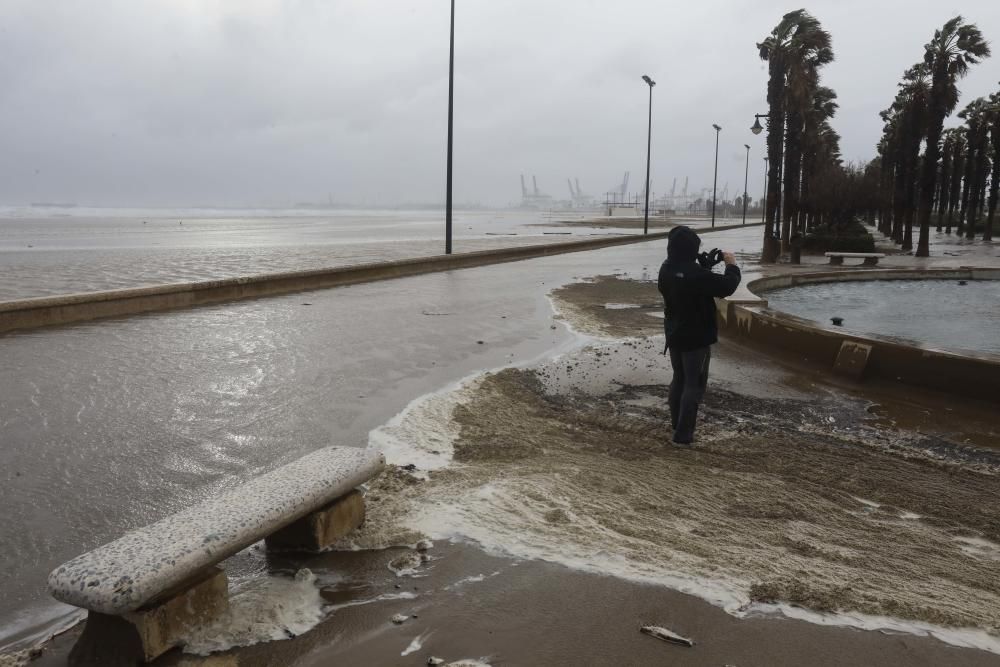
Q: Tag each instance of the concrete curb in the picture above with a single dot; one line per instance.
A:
(66, 309)
(859, 356)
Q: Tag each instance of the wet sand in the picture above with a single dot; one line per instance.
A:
(465, 604)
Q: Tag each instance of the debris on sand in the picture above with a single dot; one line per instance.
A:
(399, 619)
(20, 658)
(432, 661)
(665, 635)
(406, 564)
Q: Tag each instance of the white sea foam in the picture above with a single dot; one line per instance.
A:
(978, 547)
(474, 579)
(423, 434)
(266, 609)
(417, 643)
(385, 597)
(963, 637)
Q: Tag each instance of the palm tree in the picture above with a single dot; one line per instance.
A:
(819, 143)
(797, 38)
(957, 172)
(801, 89)
(887, 167)
(975, 164)
(944, 177)
(905, 120)
(951, 142)
(993, 116)
(947, 57)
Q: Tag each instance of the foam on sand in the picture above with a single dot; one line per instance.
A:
(265, 609)
(759, 518)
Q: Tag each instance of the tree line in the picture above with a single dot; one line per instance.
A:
(922, 171)
(947, 182)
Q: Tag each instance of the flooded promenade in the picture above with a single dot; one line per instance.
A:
(114, 424)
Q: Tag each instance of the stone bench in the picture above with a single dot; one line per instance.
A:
(162, 579)
(871, 258)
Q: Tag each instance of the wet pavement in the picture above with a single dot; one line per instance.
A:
(114, 424)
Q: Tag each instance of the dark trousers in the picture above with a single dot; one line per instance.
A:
(687, 389)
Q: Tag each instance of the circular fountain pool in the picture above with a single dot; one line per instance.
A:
(942, 314)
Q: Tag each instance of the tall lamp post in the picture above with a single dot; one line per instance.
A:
(715, 180)
(757, 128)
(451, 109)
(649, 146)
(746, 181)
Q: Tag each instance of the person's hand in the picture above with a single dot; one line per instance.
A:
(729, 258)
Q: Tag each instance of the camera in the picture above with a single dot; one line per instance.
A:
(710, 258)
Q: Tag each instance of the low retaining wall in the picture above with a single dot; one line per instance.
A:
(48, 311)
(862, 356)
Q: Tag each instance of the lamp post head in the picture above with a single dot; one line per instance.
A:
(648, 80)
(717, 128)
(756, 128)
(746, 146)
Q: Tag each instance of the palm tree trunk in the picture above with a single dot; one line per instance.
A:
(775, 147)
(944, 179)
(994, 181)
(957, 168)
(978, 185)
(888, 178)
(964, 224)
(792, 171)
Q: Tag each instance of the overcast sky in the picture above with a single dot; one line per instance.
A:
(271, 102)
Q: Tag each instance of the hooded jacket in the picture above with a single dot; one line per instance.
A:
(689, 291)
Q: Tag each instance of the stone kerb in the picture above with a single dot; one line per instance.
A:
(860, 356)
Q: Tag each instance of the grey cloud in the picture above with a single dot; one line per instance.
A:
(270, 102)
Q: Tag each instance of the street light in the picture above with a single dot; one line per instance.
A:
(715, 180)
(757, 128)
(451, 108)
(746, 180)
(649, 146)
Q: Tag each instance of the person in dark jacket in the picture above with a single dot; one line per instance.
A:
(689, 288)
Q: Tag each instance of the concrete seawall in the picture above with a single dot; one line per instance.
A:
(860, 356)
(49, 311)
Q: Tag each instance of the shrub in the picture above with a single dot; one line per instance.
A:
(850, 237)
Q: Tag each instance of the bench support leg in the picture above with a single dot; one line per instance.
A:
(836, 260)
(146, 634)
(871, 261)
(319, 530)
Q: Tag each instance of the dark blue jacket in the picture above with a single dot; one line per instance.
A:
(689, 293)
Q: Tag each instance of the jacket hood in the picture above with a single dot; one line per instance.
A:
(682, 245)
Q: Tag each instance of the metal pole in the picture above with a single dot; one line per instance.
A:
(746, 181)
(451, 109)
(649, 147)
(715, 180)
